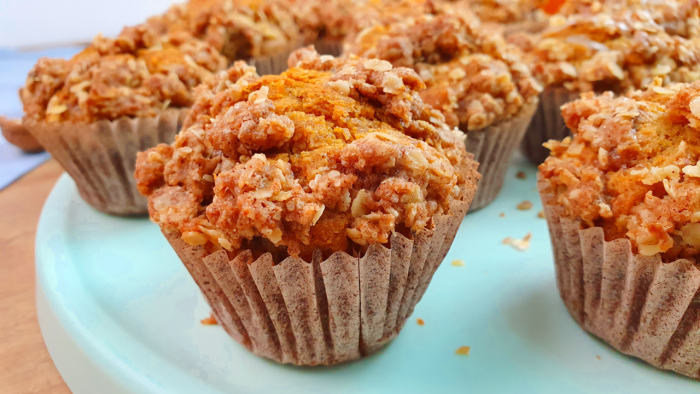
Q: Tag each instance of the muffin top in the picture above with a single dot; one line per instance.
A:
(473, 76)
(609, 52)
(331, 155)
(632, 167)
(239, 29)
(136, 74)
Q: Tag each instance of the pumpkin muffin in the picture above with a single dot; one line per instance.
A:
(94, 112)
(475, 78)
(262, 32)
(326, 185)
(584, 53)
(622, 199)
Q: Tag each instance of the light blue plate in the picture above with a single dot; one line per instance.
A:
(120, 314)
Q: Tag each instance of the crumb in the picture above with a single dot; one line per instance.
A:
(521, 175)
(598, 357)
(540, 214)
(458, 263)
(525, 205)
(463, 350)
(501, 215)
(420, 322)
(518, 244)
(209, 321)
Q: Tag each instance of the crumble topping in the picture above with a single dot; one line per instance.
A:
(136, 74)
(607, 51)
(294, 161)
(238, 29)
(632, 167)
(475, 78)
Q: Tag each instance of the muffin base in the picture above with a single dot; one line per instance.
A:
(323, 312)
(493, 147)
(637, 304)
(547, 124)
(101, 156)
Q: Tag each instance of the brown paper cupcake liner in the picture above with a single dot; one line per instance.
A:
(329, 46)
(277, 63)
(493, 147)
(638, 304)
(323, 312)
(101, 156)
(547, 124)
(16, 134)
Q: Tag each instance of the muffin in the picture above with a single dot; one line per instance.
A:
(261, 32)
(18, 135)
(313, 207)
(473, 77)
(622, 201)
(596, 53)
(94, 112)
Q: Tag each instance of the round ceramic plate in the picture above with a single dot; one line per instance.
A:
(120, 314)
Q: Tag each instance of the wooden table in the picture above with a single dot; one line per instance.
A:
(25, 364)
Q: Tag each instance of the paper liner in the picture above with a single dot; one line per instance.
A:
(16, 134)
(329, 46)
(637, 304)
(277, 63)
(101, 156)
(547, 124)
(493, 147)
(321, 312)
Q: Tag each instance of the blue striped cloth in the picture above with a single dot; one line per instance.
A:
(14, 67)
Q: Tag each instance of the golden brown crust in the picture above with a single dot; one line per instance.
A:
(136, 74)
(345, 147)
(609, 51)
(631, 167)
(473, 77)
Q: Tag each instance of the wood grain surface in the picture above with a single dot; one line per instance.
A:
(25, 364)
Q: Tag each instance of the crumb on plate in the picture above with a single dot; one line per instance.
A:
(518, 244)
(525, 205)
(458, 263)
(463, 351)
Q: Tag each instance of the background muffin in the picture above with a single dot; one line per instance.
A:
(473, 77)
(600, 52)
(263, 33)
(94, 112)
(622, 200)
(329, 160)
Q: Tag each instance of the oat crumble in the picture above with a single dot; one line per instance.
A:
(632, 167)
(139, 73)
(332, 155)
(476, 79)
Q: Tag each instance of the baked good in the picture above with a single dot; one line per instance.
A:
(262, 32)
(94, 112)
(622, 202)
(473, 77)
(599, 52)
(308, 192)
